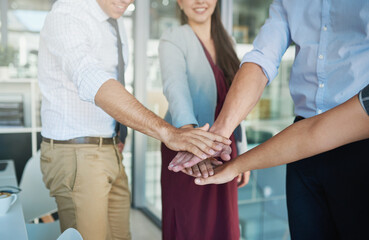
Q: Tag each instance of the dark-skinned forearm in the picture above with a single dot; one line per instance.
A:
(339, 126)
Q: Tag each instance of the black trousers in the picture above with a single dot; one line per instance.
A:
(328, 194)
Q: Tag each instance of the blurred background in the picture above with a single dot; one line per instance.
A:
(262, 203)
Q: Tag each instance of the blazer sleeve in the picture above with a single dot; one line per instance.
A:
(175, 83)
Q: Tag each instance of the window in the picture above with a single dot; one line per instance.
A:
(262, 203)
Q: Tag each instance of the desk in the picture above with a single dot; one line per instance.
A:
(12, 225)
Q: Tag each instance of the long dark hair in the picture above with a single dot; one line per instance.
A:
(226, 56)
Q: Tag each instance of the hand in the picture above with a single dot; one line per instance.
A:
(223, 174)
(243, 179)
(204, 168)
(185, 159)
(195, 140)
(120, 146)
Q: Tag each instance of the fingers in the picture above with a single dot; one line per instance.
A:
(189, 171)
(214, 161)
(190, 158)
(181, 157)
(210, 180)
(192, 161)
(209, 168)
(196, 171)
(241, 180)
(213, 136)
(203, 169)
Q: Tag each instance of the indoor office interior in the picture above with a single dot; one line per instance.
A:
(262, 203)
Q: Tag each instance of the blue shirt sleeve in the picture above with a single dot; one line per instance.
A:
(271, 42)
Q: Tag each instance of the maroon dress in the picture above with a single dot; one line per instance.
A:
(192, 212)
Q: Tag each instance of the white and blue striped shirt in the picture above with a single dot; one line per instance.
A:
(78, 53)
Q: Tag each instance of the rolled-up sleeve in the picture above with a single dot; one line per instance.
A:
(69, 40)
(175, 84)
(271, 42)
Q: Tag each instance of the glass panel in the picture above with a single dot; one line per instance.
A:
(162, 16)
(262, 203)
(25, 21)
(248, 17)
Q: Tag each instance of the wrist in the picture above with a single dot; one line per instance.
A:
(165, 133)
(234, 168)
(220, 129)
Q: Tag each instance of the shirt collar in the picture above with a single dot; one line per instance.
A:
(97, 12)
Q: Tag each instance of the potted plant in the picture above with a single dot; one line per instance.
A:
(7, 56)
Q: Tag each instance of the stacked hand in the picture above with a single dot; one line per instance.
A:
(198, 141)
(186, 160)
(197, 167)
(224, 174)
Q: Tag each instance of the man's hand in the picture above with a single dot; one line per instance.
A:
(223, 174)
(186, 160)
(196, 141)
(204, 168)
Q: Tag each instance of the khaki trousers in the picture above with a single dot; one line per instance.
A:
(90, 187)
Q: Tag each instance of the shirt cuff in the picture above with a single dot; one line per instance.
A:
(185, 121)
(269, 69)
(90, 82)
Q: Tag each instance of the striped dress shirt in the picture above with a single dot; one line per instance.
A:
(78, 52)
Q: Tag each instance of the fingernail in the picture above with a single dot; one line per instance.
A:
(204, 156)
(211, 173)
(199, 174)
(218, 147)
(205, 175)
(171, 165)
(211, 151)
(197, 181)
(186, 165)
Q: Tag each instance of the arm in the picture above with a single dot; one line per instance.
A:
(341, 125)
(258, 68)
(176, 89)
(115, 100)
(99, 87)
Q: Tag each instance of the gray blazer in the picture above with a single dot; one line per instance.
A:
(188, 79)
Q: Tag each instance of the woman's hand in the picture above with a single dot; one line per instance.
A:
(243, 179)
(203, 169)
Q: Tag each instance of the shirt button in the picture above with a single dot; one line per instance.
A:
(319, 111)
(321, 85)
(321, 56)
(325, 28)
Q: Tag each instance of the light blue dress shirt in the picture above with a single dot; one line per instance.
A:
(332, 50)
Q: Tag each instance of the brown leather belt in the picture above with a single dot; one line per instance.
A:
(84, 140)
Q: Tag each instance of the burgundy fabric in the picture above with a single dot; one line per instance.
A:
(192, 212)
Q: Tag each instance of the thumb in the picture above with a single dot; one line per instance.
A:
(205, 127)
(204, 181)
